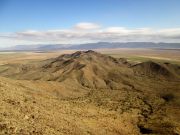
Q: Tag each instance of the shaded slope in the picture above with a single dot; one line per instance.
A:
(157, 70)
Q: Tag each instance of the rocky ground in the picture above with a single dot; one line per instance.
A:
(90, 93)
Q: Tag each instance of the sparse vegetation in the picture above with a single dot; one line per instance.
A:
(89, 93)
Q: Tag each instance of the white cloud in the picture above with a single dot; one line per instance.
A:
(86, 26)
(90, 32)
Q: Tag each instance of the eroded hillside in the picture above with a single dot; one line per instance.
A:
(90, 93)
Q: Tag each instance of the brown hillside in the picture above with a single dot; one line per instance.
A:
(88, 68)
(157, 70)
(89, 93)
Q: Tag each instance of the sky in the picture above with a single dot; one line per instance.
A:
(28, 22)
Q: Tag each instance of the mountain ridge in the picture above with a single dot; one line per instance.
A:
(85, 90)
(90, 46)
(90, 69)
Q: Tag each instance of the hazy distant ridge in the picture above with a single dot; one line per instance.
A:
(99, 45)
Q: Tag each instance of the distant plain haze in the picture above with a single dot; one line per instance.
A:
(28, 22)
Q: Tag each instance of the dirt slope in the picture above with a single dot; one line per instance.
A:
(90, 93)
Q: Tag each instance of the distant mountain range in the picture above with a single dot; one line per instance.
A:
(88, 46)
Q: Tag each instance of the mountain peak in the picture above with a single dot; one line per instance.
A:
(78, 54)
(84, 52)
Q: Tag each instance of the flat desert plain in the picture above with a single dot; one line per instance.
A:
(138, 55)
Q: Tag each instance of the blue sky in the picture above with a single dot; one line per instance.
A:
(44, 15)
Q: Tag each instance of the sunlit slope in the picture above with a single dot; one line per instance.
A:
(90, 93)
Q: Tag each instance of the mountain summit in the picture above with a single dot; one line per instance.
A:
(89, 69)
